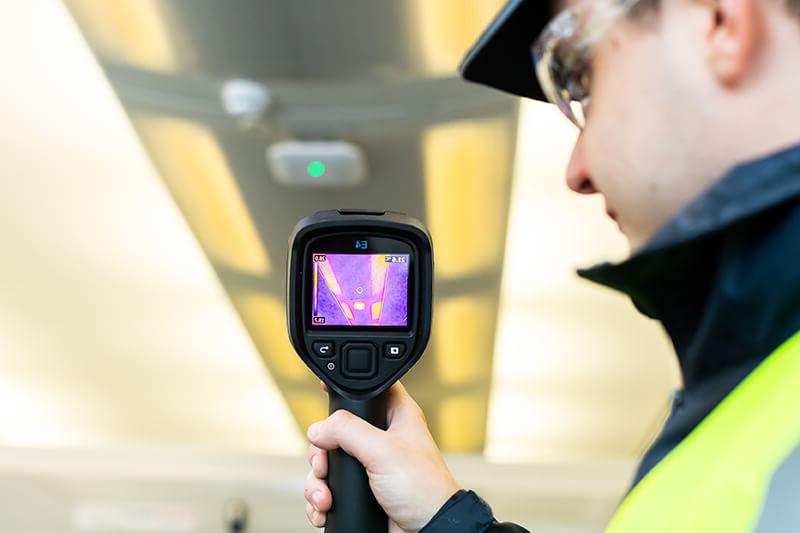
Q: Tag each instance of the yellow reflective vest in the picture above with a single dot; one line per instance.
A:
(718, 478)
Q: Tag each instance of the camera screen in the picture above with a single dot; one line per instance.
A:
(360, 290)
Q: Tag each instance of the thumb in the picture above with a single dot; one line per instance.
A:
(354, 435)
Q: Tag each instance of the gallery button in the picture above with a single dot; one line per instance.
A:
(359, 360)
(394, 350)
(323, 349)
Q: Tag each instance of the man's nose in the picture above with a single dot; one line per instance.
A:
(578, 177)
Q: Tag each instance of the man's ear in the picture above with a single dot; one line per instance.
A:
(734, 38)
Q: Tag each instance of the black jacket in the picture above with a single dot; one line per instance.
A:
(723, 278)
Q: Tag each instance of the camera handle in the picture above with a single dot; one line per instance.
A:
(355, 509)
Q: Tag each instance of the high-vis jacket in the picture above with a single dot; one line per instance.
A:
(723, 278)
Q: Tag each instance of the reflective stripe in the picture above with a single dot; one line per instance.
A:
(717, 478)
(781, 513)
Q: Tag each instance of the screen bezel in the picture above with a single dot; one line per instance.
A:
(344, 243)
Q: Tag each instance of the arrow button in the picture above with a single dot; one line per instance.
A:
(323, 349)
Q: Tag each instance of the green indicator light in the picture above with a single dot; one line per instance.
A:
(316, 169)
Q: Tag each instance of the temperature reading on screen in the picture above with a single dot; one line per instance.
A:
(360, 290)
(361, 245)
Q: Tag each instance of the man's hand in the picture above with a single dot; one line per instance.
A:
(406, 471)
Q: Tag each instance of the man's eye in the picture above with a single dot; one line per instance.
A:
(577, 86)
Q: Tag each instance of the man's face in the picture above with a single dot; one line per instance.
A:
(642, 145)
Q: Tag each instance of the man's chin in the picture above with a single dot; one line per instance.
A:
(635, 242)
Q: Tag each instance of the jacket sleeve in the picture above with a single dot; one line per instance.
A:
(466, 512)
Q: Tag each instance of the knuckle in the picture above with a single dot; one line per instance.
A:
(341, 415)
(310, 480)
(312, 451)
(342, 419)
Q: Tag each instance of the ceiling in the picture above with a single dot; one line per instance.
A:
(113, 327)
(435, 147)
(124, 321)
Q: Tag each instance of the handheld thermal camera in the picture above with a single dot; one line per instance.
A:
(359, 299)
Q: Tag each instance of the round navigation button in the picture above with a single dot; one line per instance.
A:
(359, 360)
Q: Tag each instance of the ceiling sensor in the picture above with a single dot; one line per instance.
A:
(245, 99)
(317, 164)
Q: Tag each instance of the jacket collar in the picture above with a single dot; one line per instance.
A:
(723, 275)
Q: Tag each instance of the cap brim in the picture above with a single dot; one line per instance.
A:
(501, 58)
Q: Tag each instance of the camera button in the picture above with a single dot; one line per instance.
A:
(394, 350)
(324, 349)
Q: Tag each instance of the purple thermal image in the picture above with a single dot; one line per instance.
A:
(360, 290)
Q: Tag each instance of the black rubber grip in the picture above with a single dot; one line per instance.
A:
(355, 509)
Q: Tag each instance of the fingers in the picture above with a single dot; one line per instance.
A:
(316, 518)
(399, 402)
(323, 386)
(318, 459)
(402, 412)
(317, 493)
(352, 434)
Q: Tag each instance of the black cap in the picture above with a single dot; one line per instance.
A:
(502, 56)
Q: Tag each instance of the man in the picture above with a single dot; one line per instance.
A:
(692, 140)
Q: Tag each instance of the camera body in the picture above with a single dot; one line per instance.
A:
(359, 307)
(359, 297)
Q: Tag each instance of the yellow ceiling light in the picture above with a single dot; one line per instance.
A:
(466, 175)
(196, 171)
(462, 423)
(265, 318)
(133, 31)
(447, 28)
(463, 339)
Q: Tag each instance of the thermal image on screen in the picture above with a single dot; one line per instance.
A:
(360, 290)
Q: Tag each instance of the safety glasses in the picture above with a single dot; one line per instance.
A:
(562, 54)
